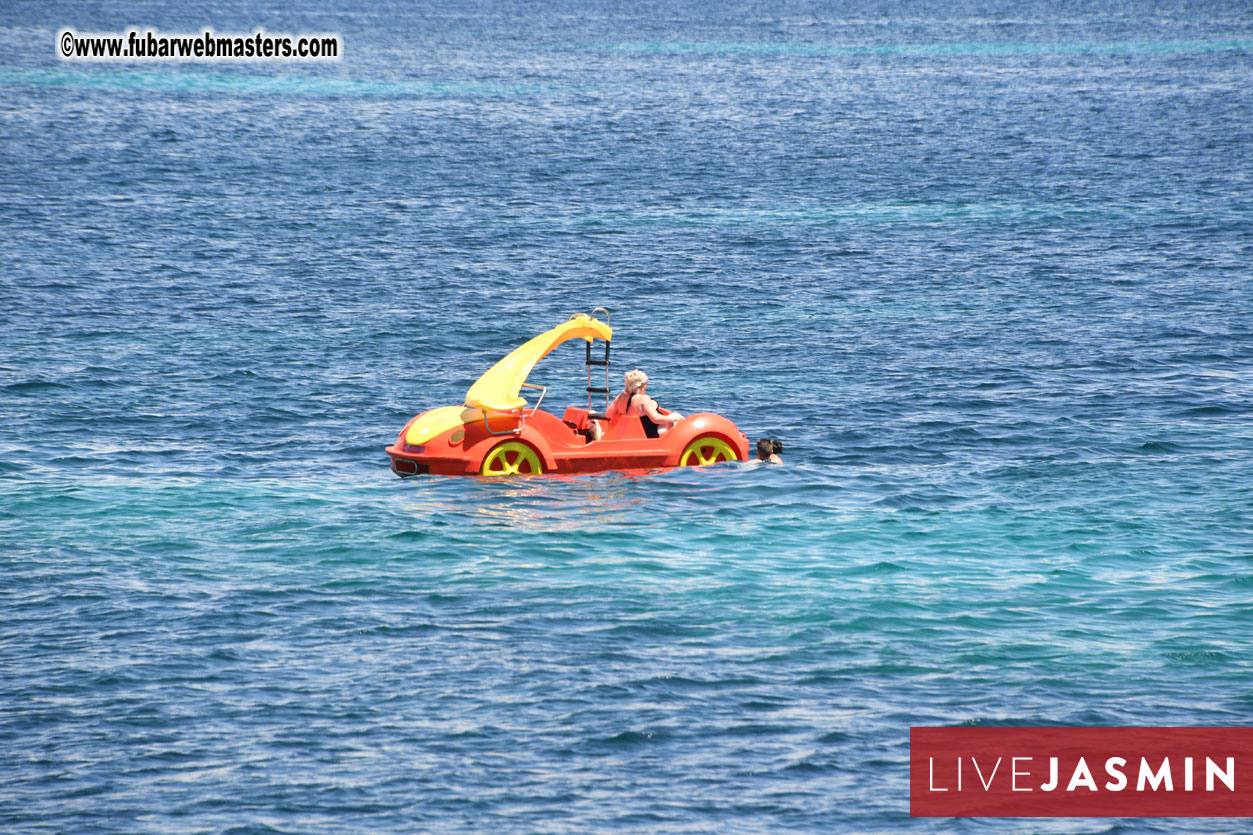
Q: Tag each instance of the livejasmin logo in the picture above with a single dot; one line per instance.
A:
(1081, 775)
(1081, 772)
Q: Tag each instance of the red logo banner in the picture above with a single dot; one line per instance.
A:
(1081, 772)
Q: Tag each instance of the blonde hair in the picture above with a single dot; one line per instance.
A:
(636, 380)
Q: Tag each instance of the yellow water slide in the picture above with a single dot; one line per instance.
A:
(497, 390)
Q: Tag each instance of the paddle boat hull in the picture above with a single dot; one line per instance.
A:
(548, 444)
(496, 433)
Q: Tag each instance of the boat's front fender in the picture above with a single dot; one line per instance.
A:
(703, 425)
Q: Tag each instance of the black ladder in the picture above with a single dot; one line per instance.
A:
(603, 362)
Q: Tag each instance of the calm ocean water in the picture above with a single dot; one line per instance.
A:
(983, 267)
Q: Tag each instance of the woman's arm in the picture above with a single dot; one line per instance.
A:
(650, 408)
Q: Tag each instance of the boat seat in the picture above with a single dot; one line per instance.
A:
(580, 421)
(575, 417)
(625, 428)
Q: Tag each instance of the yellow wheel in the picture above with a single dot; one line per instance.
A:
(511, 458)
(703, 451)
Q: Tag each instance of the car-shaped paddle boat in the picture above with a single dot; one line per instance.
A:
(498, 433)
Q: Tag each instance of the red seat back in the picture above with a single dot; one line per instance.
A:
(625, 428)
(576, 416)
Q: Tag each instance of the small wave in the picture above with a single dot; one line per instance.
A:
(633, 739)
(182, 82)
(1214, 410)
(35, 386)
(883, 567)
(835, 737)
(819, 50)
(1161, 446)
(1204, 657)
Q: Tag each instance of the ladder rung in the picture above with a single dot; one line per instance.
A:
(594, 390)
(598, 362)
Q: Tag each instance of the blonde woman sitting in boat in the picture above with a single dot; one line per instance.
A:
(634, 400)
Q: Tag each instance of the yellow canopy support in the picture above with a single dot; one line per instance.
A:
(497, 390)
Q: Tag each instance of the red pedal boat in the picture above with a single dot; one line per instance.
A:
(498, 433)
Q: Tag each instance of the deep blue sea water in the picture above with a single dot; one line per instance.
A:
(984, 267)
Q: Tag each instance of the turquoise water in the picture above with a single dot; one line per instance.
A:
(983, 269)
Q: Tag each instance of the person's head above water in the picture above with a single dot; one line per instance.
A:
(768, 450)
(636, 380)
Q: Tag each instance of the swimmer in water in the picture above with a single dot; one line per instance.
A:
(768, 451)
